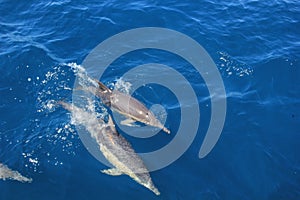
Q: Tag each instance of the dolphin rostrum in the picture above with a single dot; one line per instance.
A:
(115, 148)
(6, 173)
(126, 105)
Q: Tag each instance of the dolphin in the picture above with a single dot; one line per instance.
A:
(115, 148)
(126, 105)
(6, 173)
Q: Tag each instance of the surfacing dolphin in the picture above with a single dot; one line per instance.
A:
(127, 105)
(6, 173)
(115, 148)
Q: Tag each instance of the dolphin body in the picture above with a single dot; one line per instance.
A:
(115, 148)
(6, 173)
(127, 106)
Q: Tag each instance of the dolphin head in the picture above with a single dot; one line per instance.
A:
(151, 187)
(152, 120)
(145, 180)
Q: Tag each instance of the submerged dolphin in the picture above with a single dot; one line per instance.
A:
(6, 173)
(127, 106)
(115, 148)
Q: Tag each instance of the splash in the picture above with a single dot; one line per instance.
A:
(231, 67)
(57, 84)
(56, 134)
(81, 73)
(6, 173)
(84, 82)
(123, 86)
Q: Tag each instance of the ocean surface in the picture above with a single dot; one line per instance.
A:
(255, 46)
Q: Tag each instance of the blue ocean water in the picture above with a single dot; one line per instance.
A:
(256, 47)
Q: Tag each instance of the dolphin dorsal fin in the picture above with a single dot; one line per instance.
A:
(103, 87)
(111, 124)
(110, 121)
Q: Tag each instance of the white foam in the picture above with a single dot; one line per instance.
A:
(123, 86)
(231, 67)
